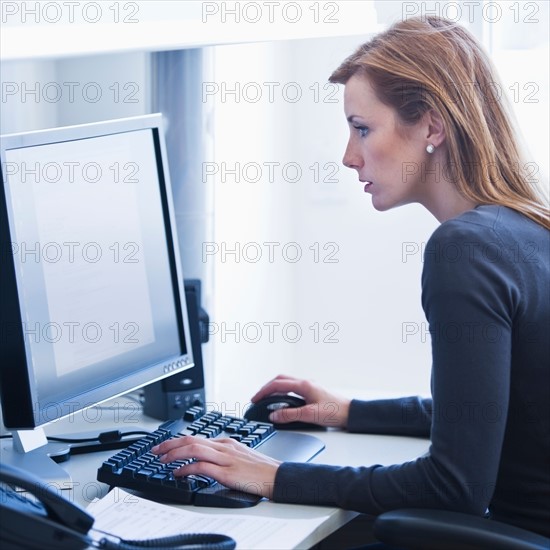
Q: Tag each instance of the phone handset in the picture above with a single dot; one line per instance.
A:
(58, 508)
(54, 523)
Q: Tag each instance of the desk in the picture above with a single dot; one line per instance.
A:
(341, 448)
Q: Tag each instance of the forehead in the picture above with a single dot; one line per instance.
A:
(360, 98)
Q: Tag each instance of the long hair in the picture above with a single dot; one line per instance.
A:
(432, 63)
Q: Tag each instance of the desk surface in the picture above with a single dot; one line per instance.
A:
(341, 448)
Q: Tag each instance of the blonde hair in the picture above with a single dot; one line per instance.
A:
(431, 63)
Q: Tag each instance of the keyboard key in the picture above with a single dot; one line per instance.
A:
(157, 478)
(201, 481)
(186, 483)
(192, 413)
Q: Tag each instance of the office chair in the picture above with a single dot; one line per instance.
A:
(416, 529)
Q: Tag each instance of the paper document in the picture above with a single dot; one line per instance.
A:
(128, 516)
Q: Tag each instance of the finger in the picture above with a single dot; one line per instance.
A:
(170, 444)
(185, 441)
(266, 388)
(307, 414)
(178, 442)
(199, 468)
(200, 449)
(282, 385)
(281, 377)
(223, 452)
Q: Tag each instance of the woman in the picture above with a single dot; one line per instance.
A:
(427, 125)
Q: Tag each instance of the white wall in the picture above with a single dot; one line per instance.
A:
(19, 110)
(353, 294)
(371, 294)
(61, 92)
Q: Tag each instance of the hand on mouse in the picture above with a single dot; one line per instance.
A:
(322, 408)
(227, 461)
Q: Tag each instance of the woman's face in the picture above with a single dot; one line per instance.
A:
(390, 158)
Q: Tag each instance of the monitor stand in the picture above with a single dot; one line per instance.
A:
(29, 450)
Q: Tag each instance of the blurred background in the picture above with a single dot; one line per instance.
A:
(300, 274)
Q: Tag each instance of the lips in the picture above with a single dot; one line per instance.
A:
(368, 184)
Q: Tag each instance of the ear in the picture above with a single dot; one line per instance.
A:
(435, 129)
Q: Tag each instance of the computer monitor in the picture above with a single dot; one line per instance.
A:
(91, 284)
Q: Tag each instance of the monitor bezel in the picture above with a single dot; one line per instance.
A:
(18, 389)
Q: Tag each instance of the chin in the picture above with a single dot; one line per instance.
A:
(382, 205)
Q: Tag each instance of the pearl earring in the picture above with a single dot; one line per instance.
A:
(430, 148)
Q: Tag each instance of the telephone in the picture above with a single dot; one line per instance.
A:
(54, 523)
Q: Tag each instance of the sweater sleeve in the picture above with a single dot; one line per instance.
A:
(469, 297)
(406, 416)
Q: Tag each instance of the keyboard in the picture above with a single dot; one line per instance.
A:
(137, 468)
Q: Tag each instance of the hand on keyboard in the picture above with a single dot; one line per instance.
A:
(214, 467)
(231, 463)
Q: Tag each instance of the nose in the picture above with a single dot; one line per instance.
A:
(351, 157)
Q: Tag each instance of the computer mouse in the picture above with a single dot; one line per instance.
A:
(261, 410)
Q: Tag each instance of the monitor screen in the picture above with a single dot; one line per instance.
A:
(92, 297)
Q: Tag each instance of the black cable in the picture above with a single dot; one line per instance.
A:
(103, 437)
(188, 541)
(114, 435)
(105, 441)
(67, 440)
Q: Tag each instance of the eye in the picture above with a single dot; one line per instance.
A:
(362, 130)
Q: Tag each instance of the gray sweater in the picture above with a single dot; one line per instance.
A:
(486, 296)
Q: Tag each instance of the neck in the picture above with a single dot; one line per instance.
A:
(448, 207)
(441, 197)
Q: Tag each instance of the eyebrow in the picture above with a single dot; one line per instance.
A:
(352, 118)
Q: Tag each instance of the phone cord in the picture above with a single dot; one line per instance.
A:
(199, 541)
